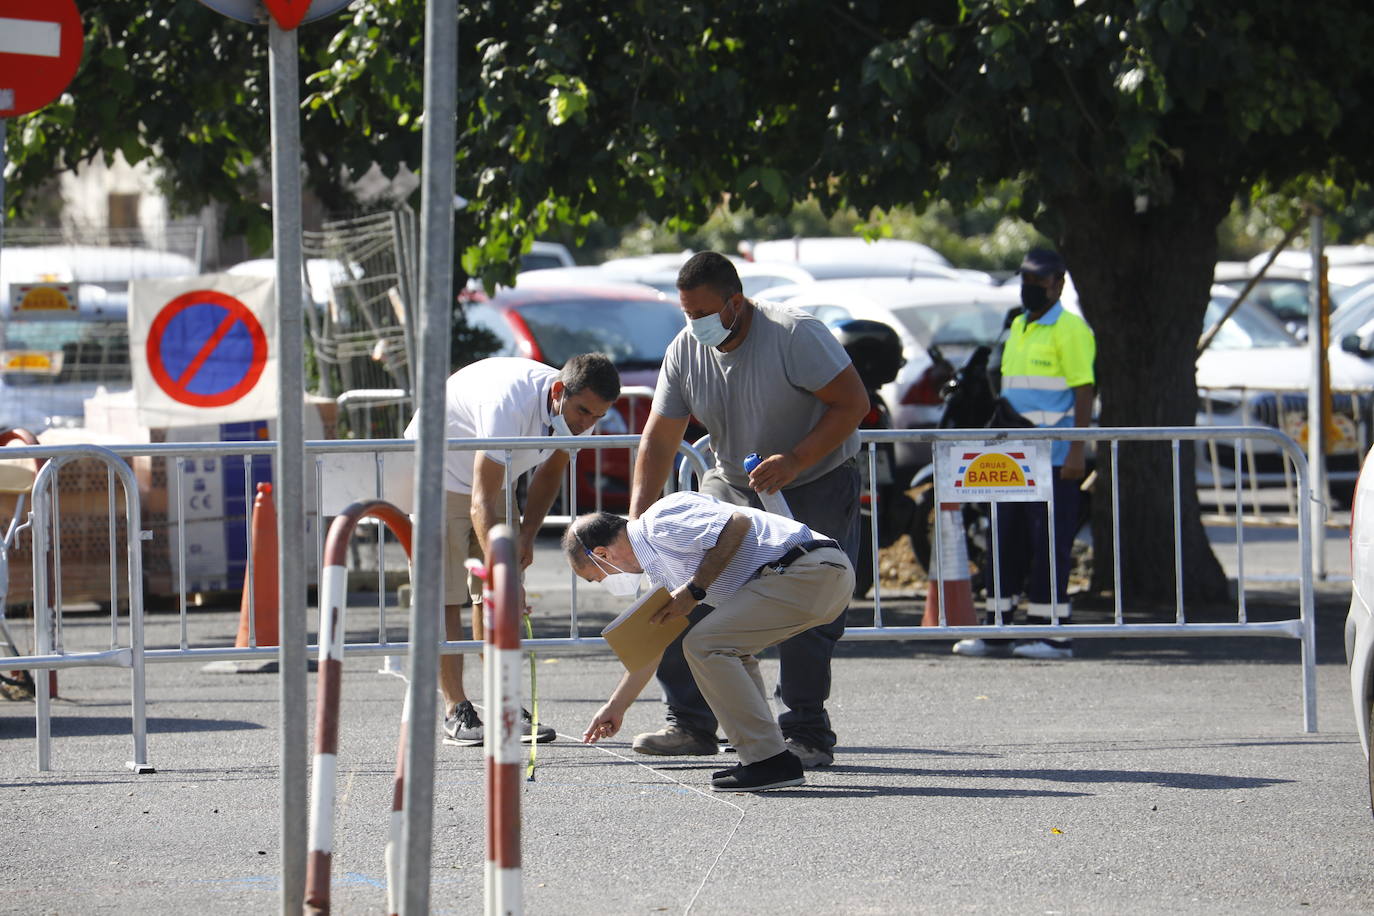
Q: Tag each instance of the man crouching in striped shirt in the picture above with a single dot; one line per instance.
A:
(765, 577)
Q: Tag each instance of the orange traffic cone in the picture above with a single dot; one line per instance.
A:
(950, 574)
(263, 607)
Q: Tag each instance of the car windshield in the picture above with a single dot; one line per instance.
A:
(963, 324)
(1248, 328)
(634, 333)
(1284, 298)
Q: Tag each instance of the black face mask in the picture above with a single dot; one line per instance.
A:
(1034, 298)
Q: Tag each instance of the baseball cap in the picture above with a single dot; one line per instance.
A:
(1042, 262)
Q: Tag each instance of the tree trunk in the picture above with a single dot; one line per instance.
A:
(1146, 276)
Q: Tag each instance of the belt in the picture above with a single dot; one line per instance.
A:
(797, 552)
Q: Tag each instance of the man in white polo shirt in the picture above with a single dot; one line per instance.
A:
(505, 397)
(767, 578)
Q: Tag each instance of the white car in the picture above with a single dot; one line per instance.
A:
(1359, 623)
(848, 257)
(660, 272)
(1255, 373)
(953, 315)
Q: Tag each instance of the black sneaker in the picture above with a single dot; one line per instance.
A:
(541, 735)
(464, 728)
(777, 772)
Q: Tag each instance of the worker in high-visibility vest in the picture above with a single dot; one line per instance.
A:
(1047, 376)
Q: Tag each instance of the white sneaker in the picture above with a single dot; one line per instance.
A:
(983, 648)
(1044, 649)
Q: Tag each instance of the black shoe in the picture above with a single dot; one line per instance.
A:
(728, 771)
(542, 735)
(777, 772)
(464, 728)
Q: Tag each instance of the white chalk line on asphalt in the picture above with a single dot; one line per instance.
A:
(673, 779)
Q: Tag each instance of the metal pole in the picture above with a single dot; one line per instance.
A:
(290, 465)
(1316, 432)
(436, 303)
(4, 164)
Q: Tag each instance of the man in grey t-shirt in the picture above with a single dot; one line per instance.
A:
(768, 379)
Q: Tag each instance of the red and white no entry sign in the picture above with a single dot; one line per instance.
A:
(40, 49)
(286, 13)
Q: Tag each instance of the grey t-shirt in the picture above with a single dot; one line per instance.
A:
(758, 397)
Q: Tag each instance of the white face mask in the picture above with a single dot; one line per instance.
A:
(620, 583)
(560, 425)
(709, 330)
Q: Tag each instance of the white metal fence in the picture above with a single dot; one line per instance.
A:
(343, 471)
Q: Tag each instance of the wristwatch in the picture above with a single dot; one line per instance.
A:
(696, 591)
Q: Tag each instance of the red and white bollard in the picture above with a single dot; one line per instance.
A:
(395, 837)
(329, 689)
(501, 677)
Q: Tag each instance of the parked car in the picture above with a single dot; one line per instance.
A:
(1282, 291)
(1359, 623)
(545, 255)
(951, 315)
(630, 323)
(51, 362)
(1254, 372)
(321, 276)
(1345, 264)
(660, 272)
(1352, 319)
(851, 258)
(1285, 288)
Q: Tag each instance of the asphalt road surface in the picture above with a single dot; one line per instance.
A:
(1143, 776)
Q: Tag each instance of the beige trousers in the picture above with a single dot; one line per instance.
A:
(721, 648)
(460, 545)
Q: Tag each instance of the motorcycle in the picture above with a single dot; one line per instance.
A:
(876, 352)
(970, 400)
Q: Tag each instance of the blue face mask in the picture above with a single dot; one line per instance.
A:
(709, 330)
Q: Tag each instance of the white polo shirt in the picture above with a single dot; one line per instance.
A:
(672, 536)
(494, 398)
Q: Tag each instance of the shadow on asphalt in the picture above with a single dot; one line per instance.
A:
(65, 726)
(849, 791)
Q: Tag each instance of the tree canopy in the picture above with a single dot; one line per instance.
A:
(1128, 126)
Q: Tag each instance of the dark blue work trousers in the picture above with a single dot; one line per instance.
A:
(1024, 544)
(829, 506)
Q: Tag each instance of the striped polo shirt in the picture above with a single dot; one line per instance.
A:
(1044, 360)
(670, 539)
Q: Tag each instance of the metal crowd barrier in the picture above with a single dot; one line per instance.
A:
(45, 526)
(348, 470)
(344, 472)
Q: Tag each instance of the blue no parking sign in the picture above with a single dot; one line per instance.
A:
(206, 349)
